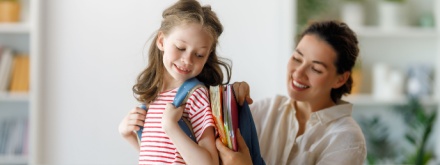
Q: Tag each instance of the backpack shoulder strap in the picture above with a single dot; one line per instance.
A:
(185, 91)
(141, 128)
(182, 95)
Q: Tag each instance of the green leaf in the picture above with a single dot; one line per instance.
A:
(410, 139)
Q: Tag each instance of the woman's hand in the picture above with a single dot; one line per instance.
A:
(171, 115)
(227, 156)
(132, 121)
(242, 92)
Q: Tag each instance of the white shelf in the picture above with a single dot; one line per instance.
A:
(369, 100)
(403, 32)
(14, 28)
(13, 159)
(14, 97)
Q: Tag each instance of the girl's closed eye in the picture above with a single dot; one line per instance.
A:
(180, 48)
(296, 59)
(200, 55)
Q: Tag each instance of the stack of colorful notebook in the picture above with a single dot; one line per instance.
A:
(225, 111)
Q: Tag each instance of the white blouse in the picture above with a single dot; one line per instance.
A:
(331, 135)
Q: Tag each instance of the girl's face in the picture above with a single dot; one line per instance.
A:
(312, 71)
(185, 51)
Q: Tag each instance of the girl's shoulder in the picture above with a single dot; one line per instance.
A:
(199, 95)
(200, 90)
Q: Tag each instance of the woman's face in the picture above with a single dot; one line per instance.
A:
(312, 71)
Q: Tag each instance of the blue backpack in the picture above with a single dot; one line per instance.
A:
(246, 122)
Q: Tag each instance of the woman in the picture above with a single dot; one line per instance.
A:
(312, 125)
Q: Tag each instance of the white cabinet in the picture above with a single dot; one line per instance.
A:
(23, 38)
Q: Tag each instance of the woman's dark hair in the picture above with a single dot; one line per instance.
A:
(345, 43)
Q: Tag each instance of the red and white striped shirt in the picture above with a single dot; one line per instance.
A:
(156, 147)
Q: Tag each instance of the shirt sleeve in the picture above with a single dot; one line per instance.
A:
(199, 111)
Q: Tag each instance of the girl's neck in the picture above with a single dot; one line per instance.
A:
(167, 86)
(169, 83)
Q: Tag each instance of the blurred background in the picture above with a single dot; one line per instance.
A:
(67, 68)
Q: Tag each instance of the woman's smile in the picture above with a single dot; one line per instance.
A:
(299, 85)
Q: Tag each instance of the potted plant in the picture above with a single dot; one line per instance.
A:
(380, 147)
(391, 14)
(9, 10)
(419, 126)
(420, 121)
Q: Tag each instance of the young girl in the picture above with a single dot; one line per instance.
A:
(184, 47)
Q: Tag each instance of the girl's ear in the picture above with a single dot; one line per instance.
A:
(159, 41)
(342, 78)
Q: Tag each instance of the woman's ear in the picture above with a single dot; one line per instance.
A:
(159, 40)
(342, 79)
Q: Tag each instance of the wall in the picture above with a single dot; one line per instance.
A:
(92, 53)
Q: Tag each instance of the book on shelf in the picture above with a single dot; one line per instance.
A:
(225, 113)
(14, 72)
(10, 11)
(5, 69)
(20, 74)
(13, 136)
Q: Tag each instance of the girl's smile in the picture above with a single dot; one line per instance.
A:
(182, 70)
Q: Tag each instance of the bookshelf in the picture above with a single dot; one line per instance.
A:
(20, 109)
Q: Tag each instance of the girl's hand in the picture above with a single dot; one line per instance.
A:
(171, 115)
(132, 121)
(242, 92)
